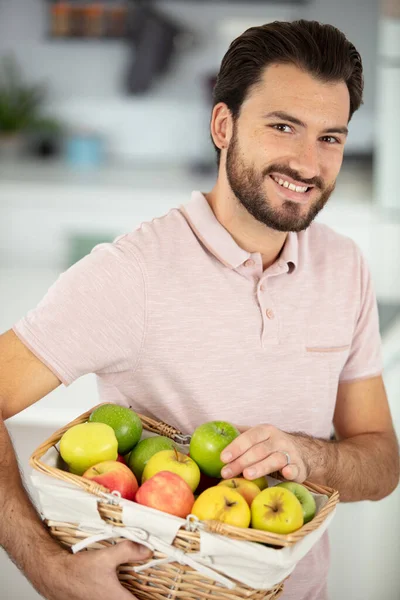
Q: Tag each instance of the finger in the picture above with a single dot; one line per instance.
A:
(242, 428)
(292, 473)
(255, 455)
(274, 462)
(245, 441)
(125, 552)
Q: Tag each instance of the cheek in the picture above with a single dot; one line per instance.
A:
(332, 162)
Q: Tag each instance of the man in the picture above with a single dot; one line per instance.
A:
(235, 306)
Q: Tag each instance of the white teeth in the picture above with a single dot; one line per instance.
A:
(295, 188)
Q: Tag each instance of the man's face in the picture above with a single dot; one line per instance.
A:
(291, 130)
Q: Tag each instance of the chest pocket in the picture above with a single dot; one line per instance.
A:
(328, 361)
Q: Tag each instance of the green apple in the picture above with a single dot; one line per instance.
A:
(207, 443)
(262, 482)
(87, 444)
(125, 422)
(304, 496)
(144, 450)
(174, 462)
(277, 510)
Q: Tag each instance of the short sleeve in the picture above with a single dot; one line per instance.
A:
(365, 358)
(92, 319)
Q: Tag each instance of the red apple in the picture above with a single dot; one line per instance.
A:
(115, 476)
(168, 492)
(245, 487)
(121, 459)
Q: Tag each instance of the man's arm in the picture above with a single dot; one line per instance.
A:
(362, 464)
(55, 573)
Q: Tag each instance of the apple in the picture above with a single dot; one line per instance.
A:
(144, 450)
(115, 476)
(176, 462)
(87, 444)
(121, 459)
(262, 482)
(277, 510)
(304, 496)
(247, 489)
(124, 421)
(207, 443)
(168, 492)
(220, 503)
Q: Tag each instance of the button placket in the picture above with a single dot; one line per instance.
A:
(269, 333)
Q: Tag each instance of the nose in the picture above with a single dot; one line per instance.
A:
(306, 160)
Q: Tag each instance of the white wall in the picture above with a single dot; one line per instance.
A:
(87, 77)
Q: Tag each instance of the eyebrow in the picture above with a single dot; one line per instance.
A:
(287, 117)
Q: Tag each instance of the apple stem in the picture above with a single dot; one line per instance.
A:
(96, 471)
(271, 507)
(176, 454)
(230, 503)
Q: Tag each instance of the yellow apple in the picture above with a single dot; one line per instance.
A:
(246, 488)
(220, 503)
(174, 462)
(86, 444)
(276, 509)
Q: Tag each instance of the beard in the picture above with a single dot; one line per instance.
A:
(248, 187)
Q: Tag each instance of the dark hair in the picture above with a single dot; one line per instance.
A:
(322, 50)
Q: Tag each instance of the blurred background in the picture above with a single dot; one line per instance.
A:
(104, 124)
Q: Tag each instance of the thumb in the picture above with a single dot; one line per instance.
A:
(126, 551)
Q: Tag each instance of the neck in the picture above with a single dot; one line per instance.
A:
(248, 233)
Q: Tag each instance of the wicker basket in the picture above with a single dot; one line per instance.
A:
(172, 580)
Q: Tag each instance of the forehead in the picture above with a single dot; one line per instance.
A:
(293, 90)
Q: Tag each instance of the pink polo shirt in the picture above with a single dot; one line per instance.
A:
(183, 325)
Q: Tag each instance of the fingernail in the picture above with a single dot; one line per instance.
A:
(226, 472)
(226, 456)
(251, 472)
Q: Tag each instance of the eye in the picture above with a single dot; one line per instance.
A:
(278, 127)
(330, 139)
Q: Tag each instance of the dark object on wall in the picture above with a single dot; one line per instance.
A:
(154, 40)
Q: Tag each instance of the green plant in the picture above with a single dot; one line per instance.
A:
(20, 102)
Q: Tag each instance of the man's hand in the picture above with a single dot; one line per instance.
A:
(90, 575)
(261, 450)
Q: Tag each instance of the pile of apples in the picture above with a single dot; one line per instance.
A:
(109, 450)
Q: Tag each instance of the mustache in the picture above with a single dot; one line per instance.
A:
(284, 170)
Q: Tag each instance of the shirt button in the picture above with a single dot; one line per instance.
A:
(249, 263)
(270, 313)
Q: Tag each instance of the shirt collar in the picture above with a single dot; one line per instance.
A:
(219, 241)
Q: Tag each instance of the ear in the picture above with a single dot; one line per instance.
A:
(221, 125)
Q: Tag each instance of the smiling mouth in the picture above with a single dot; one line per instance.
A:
(291, 191)
(301, 189)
